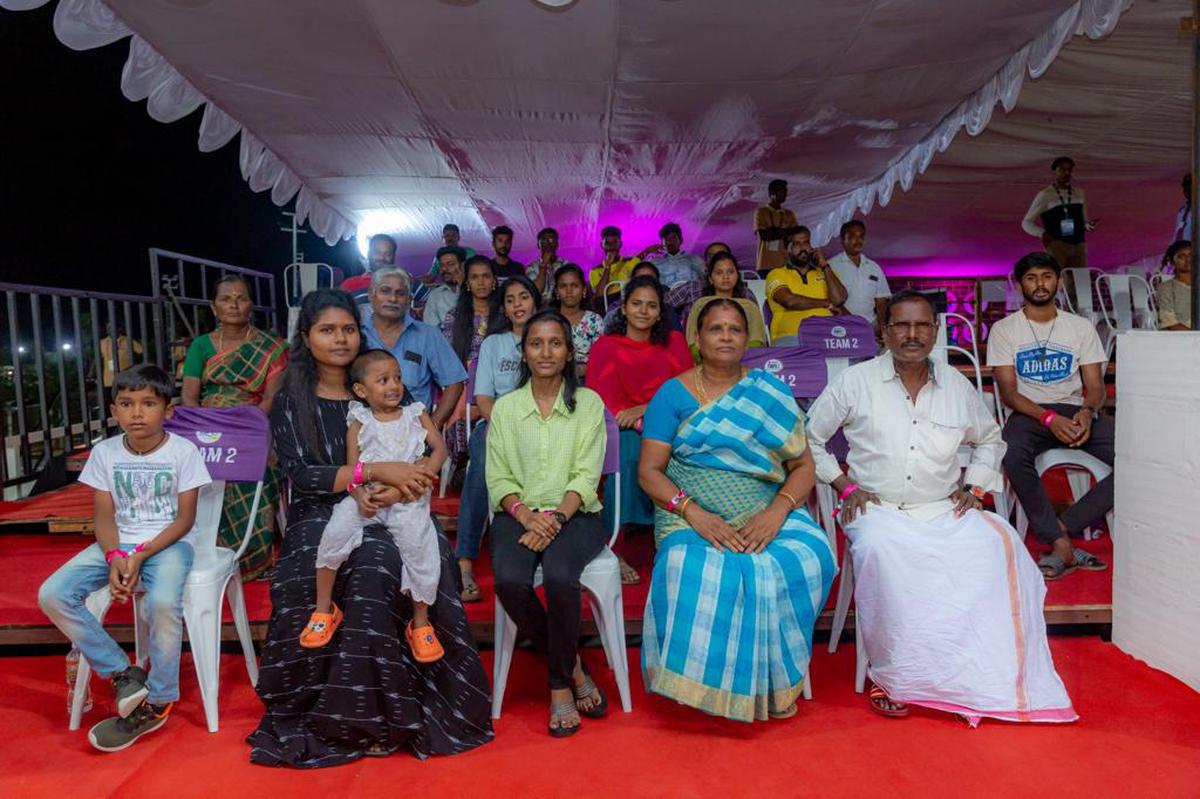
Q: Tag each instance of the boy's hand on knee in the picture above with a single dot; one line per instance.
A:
(116, 580)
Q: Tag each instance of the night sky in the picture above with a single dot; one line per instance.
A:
(88, 181)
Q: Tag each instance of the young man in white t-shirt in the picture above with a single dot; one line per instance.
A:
(1049, 369)
(147, 482)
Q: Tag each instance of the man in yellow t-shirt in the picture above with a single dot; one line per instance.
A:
(613, 267)
(806, 287)
(771, 224)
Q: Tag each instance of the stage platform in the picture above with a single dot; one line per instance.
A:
(1136, 737)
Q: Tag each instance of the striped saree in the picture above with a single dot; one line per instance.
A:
(731, 633)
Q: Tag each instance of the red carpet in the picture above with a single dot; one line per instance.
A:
(1136, 738)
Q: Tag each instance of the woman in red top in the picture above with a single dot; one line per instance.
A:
(637, 354)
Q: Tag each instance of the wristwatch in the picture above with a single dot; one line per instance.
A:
(560, 517)
(976, 491)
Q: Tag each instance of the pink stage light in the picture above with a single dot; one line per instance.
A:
(949, 269)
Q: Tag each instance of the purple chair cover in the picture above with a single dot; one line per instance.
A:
(612, 447)
(837, 337)
(234, 442)
(803, 372)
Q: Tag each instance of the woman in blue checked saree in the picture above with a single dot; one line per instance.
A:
(741, 570)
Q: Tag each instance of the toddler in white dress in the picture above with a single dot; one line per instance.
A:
(381, 432)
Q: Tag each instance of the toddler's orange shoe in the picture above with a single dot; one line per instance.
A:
(320, 628)
(425, 645)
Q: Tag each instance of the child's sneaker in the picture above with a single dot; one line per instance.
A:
(129, 690)
(116, 733)
(425, 645)
(320, 628)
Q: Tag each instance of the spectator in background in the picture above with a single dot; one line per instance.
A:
(614, 309)
(1048, 365)
(239, 364)
(425, 357)
(121, 356)
(502, 265)
(614, 266)
(866, 286)
(1183, 218)
(771, 224)
(496, 375)
(450, 238)
(806, 287)
(676, 266)
(542, 271)
(1174, 297)
(628, 364)
(680, 298)
(586, 326)
(442, 297)
(1058, 216)
(722, 278)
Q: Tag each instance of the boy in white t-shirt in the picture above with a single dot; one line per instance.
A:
(147, 482)
(1044, 359)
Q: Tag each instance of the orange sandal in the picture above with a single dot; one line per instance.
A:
(320, 628)
(425, 645)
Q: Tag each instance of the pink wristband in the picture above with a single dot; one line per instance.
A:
(1048, 417)
(114, 553)
(358, 474)
(674, 501)
(847, 491)
(512, 509)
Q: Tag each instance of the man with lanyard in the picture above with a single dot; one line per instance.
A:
(502, 265)
(443, 296)
(806, 287)
(451, 237)
(1183, 217)
(613, 267)
(866, 286)
(1048, 366)
(676, 266)
(948, 600)
(771, 223)
(1058, 216)
(424, 354)
(541, 271)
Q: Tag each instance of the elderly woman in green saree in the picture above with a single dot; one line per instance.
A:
(741, 571)
(238, 364)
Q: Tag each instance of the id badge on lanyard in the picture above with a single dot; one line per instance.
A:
(1066, 227)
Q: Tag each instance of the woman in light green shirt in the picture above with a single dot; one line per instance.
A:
(545, 452)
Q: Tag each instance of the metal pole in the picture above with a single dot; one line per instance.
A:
(1195, 26)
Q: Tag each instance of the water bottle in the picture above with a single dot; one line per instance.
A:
(72, 673)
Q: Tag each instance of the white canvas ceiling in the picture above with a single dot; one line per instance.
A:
(635, 112)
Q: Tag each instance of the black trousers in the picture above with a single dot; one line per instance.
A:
(553, 629)
(1027, 438)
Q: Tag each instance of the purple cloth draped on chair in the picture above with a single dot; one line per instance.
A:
(234, 442)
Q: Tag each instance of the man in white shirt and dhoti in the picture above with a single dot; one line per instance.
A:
(949, 599)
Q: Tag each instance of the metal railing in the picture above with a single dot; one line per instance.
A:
(61, 348)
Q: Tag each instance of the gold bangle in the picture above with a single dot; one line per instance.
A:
(792, 499)
(682, 505)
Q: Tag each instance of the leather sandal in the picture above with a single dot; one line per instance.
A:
(425, 645)
(320, 628)
(558, 713)
(470, 591)
(879, 701)
(587, 691)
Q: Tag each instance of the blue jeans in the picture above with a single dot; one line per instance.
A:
(473, 504)
(162, 576)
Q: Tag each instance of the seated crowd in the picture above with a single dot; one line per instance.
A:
(509, 371)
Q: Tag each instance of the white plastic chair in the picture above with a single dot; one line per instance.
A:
(620, 286)
(298, 280)
(601, 581)
(214, 575)
(1130, 306)
(1082, 468)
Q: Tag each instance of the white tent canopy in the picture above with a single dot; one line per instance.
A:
(408, 115)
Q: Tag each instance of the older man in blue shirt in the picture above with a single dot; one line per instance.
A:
(424, 354)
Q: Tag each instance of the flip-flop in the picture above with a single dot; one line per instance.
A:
(1054, 568)
(1088, 562)
(876, 695)
(786, 713)
(585, 691)
(559, 712)
(379, 750)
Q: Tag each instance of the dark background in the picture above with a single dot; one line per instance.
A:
(88, 181)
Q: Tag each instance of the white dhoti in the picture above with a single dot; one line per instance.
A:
(951, 614)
